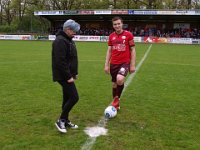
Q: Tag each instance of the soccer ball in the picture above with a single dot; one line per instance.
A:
(110, 112)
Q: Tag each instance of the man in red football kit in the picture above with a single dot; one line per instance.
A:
(120, 58)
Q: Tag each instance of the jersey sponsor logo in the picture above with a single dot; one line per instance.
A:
(119, 47)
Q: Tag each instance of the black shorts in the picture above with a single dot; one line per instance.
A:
(121, 69)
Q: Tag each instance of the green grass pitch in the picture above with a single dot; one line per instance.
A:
(160, 109)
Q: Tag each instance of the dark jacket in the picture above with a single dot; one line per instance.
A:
(64, 58)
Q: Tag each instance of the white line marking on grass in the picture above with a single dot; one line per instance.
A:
(99, 130)
(179, 64)
(128, 81)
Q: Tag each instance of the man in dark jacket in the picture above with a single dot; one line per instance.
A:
(65, 71)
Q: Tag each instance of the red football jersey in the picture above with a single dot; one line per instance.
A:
(121, 44)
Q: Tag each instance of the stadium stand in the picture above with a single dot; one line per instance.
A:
(158, 23)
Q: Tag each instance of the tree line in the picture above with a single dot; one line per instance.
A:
(17, 15)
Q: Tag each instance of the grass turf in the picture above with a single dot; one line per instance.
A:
(160, 108)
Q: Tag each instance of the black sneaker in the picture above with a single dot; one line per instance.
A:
(61, 126)
(71, 125)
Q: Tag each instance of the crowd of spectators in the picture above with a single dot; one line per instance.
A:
(181, 33)
(97, 32)
(144, 32)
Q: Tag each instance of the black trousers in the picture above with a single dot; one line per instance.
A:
(70, 98)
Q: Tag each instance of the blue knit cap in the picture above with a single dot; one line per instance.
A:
(72, 25)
